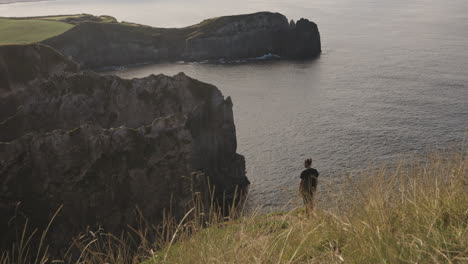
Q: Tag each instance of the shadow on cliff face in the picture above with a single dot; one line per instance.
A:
(100, 146)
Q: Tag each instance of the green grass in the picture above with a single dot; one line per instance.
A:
(23, 31)
(36, 29)
(107, 19)
(58, 18)
(85, 18)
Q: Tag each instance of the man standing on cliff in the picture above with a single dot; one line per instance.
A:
(308, 186)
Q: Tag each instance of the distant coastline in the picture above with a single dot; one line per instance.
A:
(6, 2)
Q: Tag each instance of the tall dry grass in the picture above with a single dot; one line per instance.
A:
(411, 212)
(414, 211)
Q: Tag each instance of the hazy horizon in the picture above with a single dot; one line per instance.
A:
(163, 13)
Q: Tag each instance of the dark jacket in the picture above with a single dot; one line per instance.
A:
(309, 179)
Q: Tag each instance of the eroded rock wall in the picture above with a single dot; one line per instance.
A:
(237, 37)
(20, 64)
(102, 146)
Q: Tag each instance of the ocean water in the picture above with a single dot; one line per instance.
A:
(392, 82)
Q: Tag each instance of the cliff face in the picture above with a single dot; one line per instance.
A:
(236, 37)
(251, 36)
(102, 145)
(20, 64)
(99, 45)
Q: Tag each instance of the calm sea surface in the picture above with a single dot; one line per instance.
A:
(392, 81)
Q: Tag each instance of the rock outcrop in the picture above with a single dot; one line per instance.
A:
(21, 64)
(100, 45)
(102, 146)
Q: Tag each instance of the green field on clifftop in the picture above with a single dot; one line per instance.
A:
(36, 29)
(22, 31)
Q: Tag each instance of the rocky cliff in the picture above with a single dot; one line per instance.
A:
(99, 45)
(20, 64)
(102, 146)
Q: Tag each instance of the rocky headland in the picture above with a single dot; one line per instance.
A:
(102, 146)
(96, 45)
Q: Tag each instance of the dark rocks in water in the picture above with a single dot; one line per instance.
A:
(100, 45)
(102, 146)
(302, 41)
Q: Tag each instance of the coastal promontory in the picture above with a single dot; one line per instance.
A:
(95, 45)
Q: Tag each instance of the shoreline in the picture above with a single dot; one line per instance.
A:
(9, 2)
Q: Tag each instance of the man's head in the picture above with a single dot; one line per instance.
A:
(308, 163)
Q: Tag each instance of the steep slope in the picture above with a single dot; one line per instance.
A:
(20, 64)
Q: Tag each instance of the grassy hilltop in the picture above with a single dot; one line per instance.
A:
(21, 31)
(36, 29)
(414, 213)
(102, 42)
(24, 30)
(409, 212)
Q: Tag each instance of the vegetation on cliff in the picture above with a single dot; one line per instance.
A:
(101, 42)
(410, 212)
(20, 31)
(103, 45)
(36, 29)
